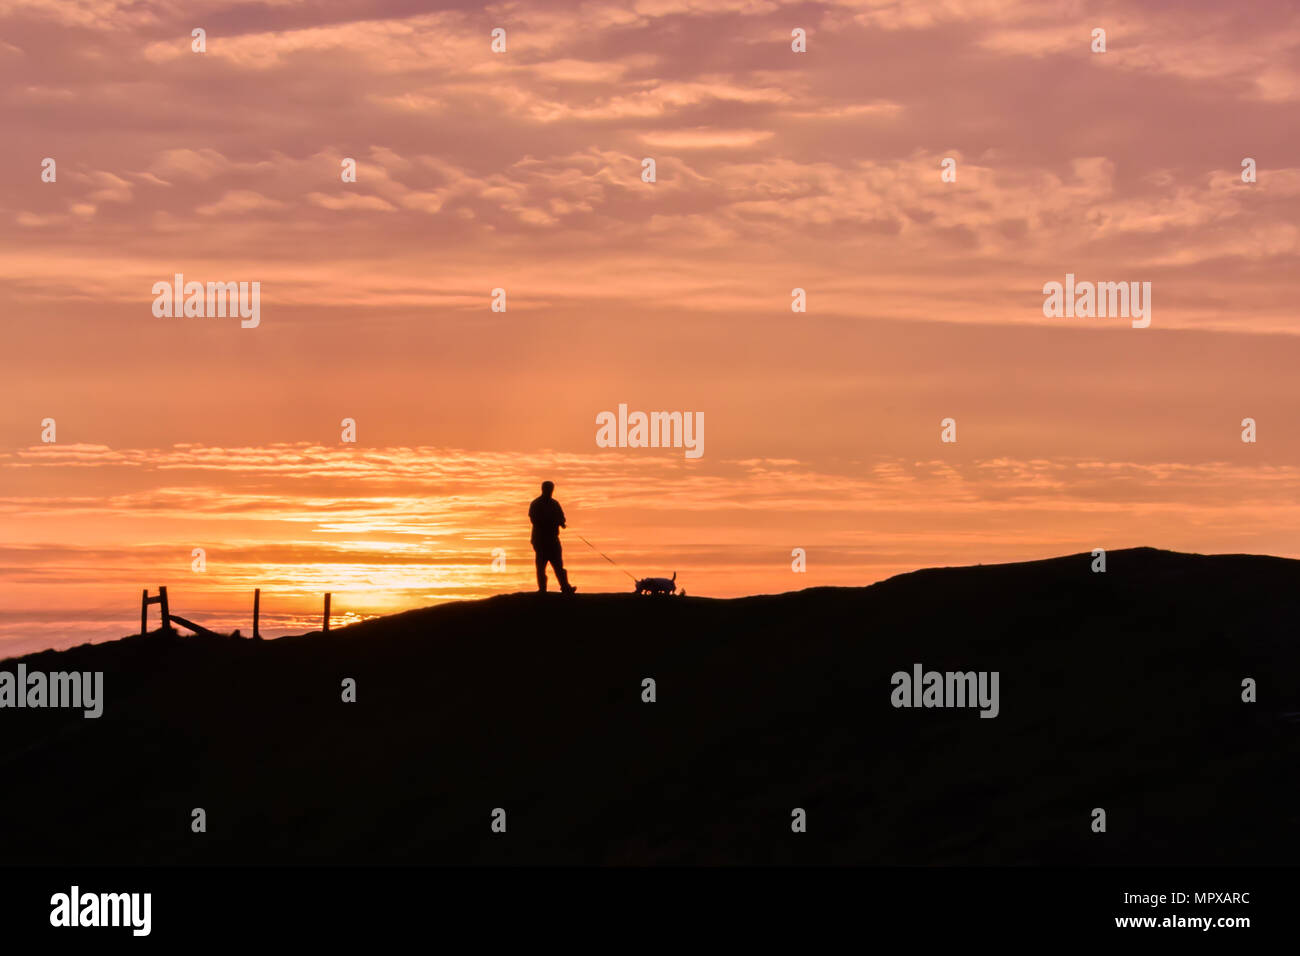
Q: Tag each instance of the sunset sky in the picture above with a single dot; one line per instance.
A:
(522, 170)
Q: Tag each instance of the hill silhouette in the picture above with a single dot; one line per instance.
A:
(1119, 690)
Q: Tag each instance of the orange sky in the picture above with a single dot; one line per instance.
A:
(522, 170)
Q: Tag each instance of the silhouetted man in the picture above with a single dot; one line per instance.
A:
(548, 518)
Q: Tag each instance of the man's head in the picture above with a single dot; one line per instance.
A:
(547, 488)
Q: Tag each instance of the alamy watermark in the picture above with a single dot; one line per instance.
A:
(215, 301)
(653, 430)
(1101, 300)
(946, 689)
(78, 689)
(75, 908)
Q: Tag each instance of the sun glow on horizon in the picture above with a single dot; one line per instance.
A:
(392, 529)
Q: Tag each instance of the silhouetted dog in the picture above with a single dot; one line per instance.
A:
(657, 585)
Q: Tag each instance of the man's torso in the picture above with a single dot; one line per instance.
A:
(546, 516)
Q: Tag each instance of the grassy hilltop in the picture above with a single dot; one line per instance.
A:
(1119, 690)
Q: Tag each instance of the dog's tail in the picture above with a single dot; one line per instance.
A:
(674, 577)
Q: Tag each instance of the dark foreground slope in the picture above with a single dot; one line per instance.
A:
(1119, 690)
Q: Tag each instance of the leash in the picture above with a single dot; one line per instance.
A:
(606, 557)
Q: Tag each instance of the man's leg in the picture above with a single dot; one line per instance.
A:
(539, 558)
(561, 575)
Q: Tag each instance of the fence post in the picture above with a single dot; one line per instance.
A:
(163, 610)
(257, 600)
(327, 612)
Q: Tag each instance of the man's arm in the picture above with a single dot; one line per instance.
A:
(561, 511)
